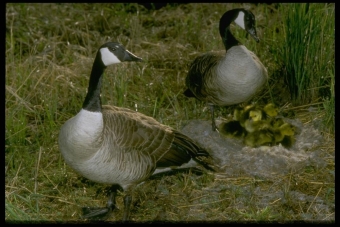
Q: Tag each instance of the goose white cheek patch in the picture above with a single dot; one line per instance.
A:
(108, 57)
(240, 20)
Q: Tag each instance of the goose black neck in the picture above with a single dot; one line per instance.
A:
(227, 37)
(92, 100)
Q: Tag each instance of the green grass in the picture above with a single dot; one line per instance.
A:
(309, 56)
(308, 50)
(49, 53)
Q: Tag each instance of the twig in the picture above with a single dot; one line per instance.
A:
(311, 104)
(36, 173)
(16, 175)
(24, 102)
(313, 200)
(328, 216)
(275, 201)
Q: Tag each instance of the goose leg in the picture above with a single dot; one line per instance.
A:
(127, 203)
(97, 213)
(111, 203)
(213, 124)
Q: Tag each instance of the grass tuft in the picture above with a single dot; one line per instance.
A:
(308, 50)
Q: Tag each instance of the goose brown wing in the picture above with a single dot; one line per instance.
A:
(135, 132)
(196, 152)
(199, 71)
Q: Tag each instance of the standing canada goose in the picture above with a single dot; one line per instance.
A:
(118, 146)
(231, 77)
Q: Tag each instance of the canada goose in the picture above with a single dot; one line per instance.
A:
(287, 141)
(261, 133)
(252, 112)
(118, 146)
(241, 114)
(271, 110)
(259, 137)
(238, 113)
(285, 129)
(256, 115)
(276, 122)
(232, 129)
(231, 77)
(251, 125)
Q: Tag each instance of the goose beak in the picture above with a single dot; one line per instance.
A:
(252, 32)
(131, 57)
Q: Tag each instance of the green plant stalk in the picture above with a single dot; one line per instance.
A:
(305, 25)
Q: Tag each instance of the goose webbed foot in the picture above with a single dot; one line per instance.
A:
(101, 212)
(95, 213)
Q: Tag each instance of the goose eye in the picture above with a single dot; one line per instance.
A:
(112, 49)
(249, 22)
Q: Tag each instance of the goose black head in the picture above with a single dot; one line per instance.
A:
(114, 52)
(108, 54)
(242, 17)
(246, 20)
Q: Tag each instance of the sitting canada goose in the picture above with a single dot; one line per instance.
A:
(284, 130)
(231, 129)
(251, 125)
(270, 110)
(256, 115)
(276, 122)
(238, 113)
(232, 77)
(259, 118)
(252, 112)
(261, 137)
(287, 141)
(118, 146)
(261, 133)
(241, 114)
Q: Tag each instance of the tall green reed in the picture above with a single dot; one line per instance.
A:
(308, 50)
